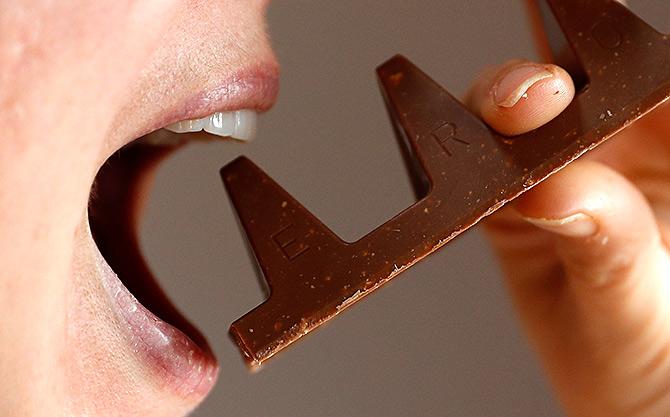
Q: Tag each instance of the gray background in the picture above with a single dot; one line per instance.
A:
(441, 340)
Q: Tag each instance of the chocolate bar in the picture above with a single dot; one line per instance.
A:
(463, 172)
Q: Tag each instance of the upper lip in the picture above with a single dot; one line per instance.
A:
(253, 88)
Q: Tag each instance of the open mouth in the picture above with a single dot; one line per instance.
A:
(162, 338)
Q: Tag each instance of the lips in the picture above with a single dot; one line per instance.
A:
(186, 367)
(254, 88)
(173, 351)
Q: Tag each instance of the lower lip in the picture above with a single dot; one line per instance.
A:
(177, 361)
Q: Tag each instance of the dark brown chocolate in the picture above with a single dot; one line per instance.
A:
(466, 170)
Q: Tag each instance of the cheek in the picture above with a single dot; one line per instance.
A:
(64, 59)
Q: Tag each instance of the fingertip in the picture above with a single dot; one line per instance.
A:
(577, 187)
(521, 96)
(601, 221)
(584, 185)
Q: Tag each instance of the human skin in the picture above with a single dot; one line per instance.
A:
(584, 252)
(78, 80)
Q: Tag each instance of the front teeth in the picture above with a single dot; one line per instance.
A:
(240, 124)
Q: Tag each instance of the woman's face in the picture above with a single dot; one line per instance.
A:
(79, 80)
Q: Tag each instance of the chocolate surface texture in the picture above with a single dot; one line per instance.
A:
(463, 172)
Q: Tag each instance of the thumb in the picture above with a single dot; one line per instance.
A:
(606, 316)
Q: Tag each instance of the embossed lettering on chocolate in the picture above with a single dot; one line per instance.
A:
(464, 172)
